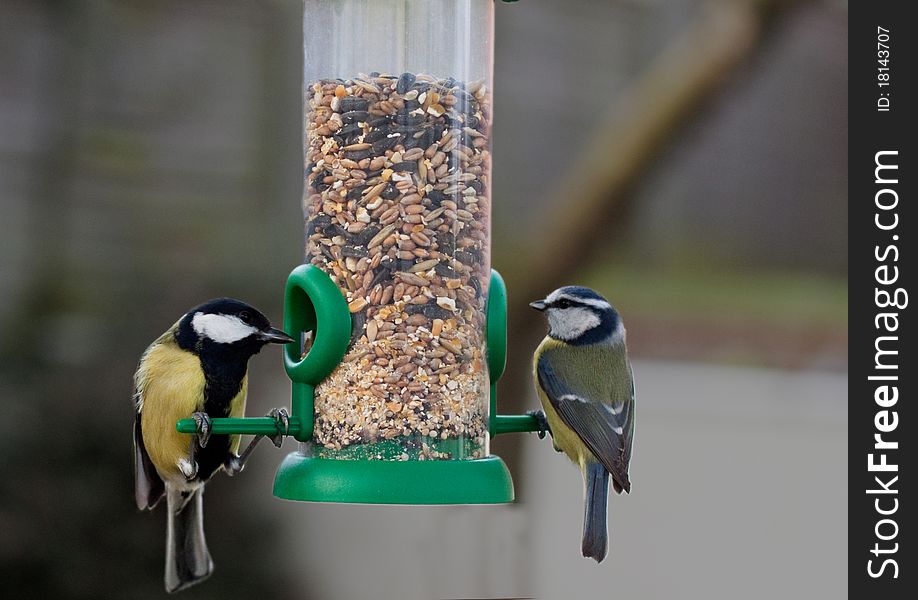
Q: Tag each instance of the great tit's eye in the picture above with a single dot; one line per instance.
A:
(246, 317)
(563, 303)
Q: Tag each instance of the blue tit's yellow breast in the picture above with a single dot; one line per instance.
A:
(563, 437)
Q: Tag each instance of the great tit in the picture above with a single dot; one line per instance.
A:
(586, 387)
(198, 368)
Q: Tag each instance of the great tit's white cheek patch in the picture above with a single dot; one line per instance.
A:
(223, 329)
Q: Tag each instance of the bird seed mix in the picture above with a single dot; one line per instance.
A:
(397, 206)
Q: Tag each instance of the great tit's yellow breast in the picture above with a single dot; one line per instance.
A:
(171, 384)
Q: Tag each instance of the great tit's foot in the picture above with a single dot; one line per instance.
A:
(236, 462)
(542, 420)
(234, 465)
(189, 468)
(282, 418)
(203, 422)
(188, 465)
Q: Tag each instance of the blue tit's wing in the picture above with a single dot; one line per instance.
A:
(604, 427)
(628, 430)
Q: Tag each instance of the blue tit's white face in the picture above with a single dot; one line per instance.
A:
(579, 315)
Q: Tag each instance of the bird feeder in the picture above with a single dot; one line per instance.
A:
(401, 320)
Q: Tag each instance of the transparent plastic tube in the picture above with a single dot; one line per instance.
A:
(397, 204)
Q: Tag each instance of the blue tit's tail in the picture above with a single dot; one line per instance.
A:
(187, 558)
(595, 536)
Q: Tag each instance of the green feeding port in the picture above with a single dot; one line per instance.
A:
(389, 471)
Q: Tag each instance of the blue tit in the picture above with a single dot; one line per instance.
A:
(198, 369)
(586, 386)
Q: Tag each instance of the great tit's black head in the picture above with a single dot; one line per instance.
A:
(579, 315)
(226, 324)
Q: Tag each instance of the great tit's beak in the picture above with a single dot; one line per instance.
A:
(539, 305)
(275, 336)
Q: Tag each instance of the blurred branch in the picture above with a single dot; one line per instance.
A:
(592, 194)
(629, 138)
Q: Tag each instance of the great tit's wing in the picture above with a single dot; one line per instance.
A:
(148, 485)
(605, 428)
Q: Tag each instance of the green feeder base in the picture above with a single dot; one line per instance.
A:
(310, 479)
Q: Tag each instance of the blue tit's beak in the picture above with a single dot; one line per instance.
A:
(275, 336)
(539, 305)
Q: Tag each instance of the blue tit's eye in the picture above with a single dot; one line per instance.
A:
(563, 303)
(246, 317)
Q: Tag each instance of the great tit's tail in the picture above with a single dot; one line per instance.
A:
(187, 558)
(595, 535)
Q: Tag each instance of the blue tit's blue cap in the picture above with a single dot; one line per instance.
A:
(577, 291)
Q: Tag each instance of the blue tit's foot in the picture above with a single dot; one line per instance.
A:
(188, 467)
(202, 420)
(542, 420)
(282, 418)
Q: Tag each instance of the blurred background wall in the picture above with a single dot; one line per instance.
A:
(686, 158)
